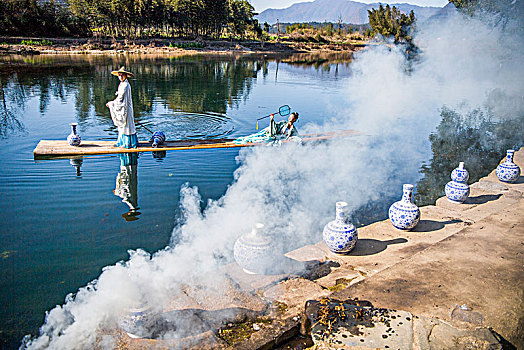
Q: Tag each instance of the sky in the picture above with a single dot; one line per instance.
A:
(261, 5)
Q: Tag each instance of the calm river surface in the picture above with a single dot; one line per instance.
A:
(61, 222)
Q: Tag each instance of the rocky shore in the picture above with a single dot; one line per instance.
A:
(33, 46)
(454, 282)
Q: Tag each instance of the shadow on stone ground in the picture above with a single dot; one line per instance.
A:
(433, 225)
(482, 199)
(368, 246)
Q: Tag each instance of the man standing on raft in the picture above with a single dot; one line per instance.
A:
(121, 109)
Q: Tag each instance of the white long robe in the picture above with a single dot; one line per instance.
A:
(127, 186)
(121, 109)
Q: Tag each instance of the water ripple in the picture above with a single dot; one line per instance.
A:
(187, 125)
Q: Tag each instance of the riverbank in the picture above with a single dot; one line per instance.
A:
(454, 282)
(35, 46)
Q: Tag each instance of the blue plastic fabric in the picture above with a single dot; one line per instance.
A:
(127, 141)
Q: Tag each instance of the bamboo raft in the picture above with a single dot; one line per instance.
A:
(53, 148)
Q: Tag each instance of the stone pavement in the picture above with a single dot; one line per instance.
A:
(459, 273)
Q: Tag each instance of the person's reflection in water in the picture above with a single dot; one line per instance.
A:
(127, 184)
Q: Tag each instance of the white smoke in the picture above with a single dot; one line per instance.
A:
(293, 189)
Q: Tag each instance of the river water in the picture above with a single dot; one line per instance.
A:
(62, 220)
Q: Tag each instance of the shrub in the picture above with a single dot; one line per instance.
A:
(43, 42)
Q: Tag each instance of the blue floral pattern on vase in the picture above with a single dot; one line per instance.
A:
(134, 320)
(508, 171)
(253, 251)
(340, 235)
(457, 190)
(403, 214)
(460, 174)
(158, 138)
(73, 138)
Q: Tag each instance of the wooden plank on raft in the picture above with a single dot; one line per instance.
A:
(50, 148)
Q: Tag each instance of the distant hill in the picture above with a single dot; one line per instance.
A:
(445, 12)
(331, 10)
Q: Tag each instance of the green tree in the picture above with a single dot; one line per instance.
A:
(390, 22)
(127, 18)
(241, 14)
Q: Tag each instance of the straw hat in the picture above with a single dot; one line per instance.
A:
(122, 70)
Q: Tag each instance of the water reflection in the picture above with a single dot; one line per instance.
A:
(162, 90)
(324, 60)
(127, 184)
(10, 95)
(159, 155)
(475, 138)
(77, 163)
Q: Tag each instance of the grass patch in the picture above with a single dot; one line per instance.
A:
(189, 45)
(282, 307)
(42, 42)
(341, 283)
(239, 332)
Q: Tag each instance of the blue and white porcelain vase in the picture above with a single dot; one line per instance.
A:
(158, 138)
(134, 321)
(253, 251)
(508, 171)
(460, 174)
(340, 235)
(74, 139)
(457, 190)
(403, 214)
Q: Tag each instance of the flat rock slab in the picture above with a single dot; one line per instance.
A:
(295, 292)
(480, 266)
(251, 282)
(338, 324)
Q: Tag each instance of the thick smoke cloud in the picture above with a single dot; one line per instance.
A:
(464, 64)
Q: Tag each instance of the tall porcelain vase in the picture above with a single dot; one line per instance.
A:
(457, 190)
(403, 214)
(340, 235)
(508, 171)
(74, 139)
(253, 251)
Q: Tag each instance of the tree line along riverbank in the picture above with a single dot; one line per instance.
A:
(26, 45)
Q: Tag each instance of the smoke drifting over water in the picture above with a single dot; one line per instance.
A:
(292, 190)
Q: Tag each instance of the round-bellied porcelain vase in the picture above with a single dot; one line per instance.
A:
(134, 321)
(403, 214)
(73, 138)
(457, 190)
(460, 174)
(253, 251)
(508, 171)
(340, 235)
